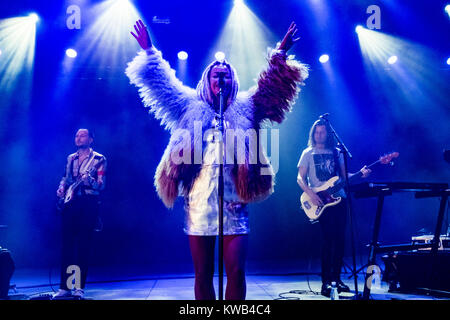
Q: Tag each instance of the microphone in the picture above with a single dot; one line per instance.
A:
(221, 75)
(324, 116)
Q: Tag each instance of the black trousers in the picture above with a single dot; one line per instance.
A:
(332, 223)
(79, 219)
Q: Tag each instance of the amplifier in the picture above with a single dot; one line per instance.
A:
(409, 271)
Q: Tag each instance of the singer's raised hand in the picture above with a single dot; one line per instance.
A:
(289, 39)
(142, 35)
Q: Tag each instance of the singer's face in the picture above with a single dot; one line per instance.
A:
(320, 135)
(214, 79)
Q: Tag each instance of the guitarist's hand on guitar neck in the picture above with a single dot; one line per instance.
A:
(365, 172)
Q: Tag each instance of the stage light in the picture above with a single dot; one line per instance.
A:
(71, 53)
(107, 41)
(220, 56)
(182, 55)
(359, 28)
(244, 41)
(448, 61)
(409, 67)
(447, 9)
(324, 58)
(17, 39)
(392, 59)
(34, 17)
(378, 47)
(182, 63)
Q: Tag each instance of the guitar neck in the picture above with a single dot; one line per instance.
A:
(341, 184)
(383, 160)
(359, 173)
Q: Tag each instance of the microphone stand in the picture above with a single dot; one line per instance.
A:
(221, 183)
(344, 150)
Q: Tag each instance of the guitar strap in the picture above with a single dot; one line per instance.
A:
(84, 170)
(336, 163)
(71, 168)
(88, 164)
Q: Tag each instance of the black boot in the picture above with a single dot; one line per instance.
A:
(326, 290)
(342, 287)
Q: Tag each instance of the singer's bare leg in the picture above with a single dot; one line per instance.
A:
(202, 251)
(235, 253)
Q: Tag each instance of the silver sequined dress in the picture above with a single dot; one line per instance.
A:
(201, 205)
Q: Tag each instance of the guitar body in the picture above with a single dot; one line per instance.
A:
(70, 192)
(314, 212)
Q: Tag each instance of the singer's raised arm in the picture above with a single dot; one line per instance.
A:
(278, 85)
(159, 88)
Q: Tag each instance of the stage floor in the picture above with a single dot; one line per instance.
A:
(32, 283)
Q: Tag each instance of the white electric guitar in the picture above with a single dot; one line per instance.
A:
(326, 191)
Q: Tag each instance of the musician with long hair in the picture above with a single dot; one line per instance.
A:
(319, 162)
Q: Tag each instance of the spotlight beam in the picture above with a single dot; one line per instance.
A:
(244, 40)
(107, 40)
(17, 40)
(414, 80)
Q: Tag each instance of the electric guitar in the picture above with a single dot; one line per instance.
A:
(326, 191)
(73, 188)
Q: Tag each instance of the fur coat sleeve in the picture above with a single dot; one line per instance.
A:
(159, 88)
(278, 87)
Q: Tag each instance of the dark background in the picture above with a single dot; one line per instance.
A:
(371, 113)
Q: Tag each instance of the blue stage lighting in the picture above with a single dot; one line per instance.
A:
(17, 40)
(34, 17)
(392, 59)
(182, 55)
(324, 58)
(71, 53)
(243, 40)
(220, 56)
(109, 29)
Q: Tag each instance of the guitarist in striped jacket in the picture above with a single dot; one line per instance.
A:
(79, 191)
(318, 163)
